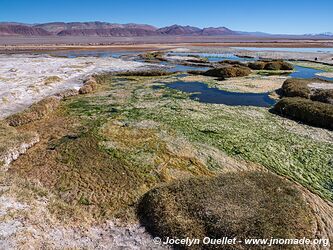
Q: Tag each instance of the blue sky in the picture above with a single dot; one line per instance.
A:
(282, 16)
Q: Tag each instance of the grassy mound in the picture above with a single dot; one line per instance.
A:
(153, 56)
(88, 88)
(242, 205)
(196, 72)
(90, 85)
(67, 93)
(323, 95)
(226, 72)
(256, 65)
(307, 111)
(13, 143)
(197, 59)
(232, 62)
(145, 73)
(278, 65)
(35, 112)
(270, 65)
(296, 87)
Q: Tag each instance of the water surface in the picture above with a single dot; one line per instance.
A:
(205, 94)
(92, 53)
(319, 50)
(213, 57)
(304, 72)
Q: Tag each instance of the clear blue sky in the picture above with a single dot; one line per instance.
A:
(281, 16)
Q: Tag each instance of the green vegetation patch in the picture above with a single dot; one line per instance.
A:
(248, 133)
(242, 205)
(107, 149)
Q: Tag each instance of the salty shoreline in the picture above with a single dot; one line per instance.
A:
(28, 78)
(19, 44)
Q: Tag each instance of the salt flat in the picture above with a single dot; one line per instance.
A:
(26, 78)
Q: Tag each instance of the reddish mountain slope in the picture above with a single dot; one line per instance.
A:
(106, 29)
(23, 30)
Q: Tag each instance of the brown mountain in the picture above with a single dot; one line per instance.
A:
(219, 31)
(107, 29)
(179, 30)
(82, 28)
(12, 29)
(126, 32)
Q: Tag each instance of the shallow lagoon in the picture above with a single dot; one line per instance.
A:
(319, 50)
(304, 72)
(203, 93)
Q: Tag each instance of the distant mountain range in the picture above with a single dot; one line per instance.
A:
(116, 30)
(105, 29)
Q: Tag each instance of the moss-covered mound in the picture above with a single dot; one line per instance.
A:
(230, 71)
(242, 205)
(270, 65)
(307, 111)
(296, 87)
(35, 112)
(278, 65)
(153, 56)
(323, 95)
(196, 72)
(89, 85)
(145, 73)
(13, 143)
(256, 65)
(232, 62)
(197, 59)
